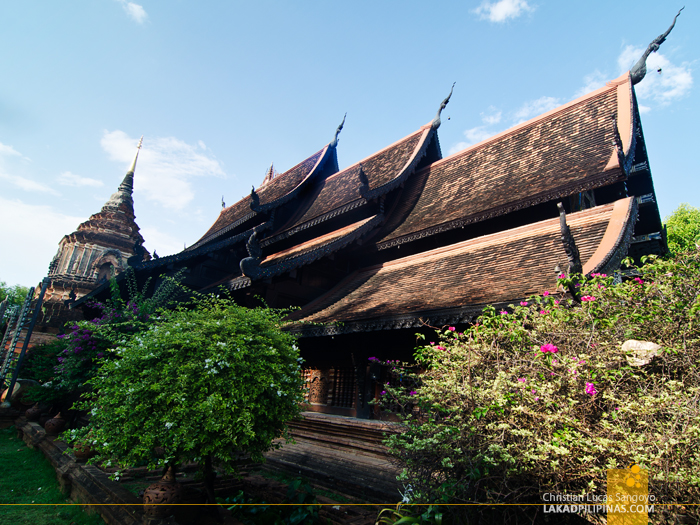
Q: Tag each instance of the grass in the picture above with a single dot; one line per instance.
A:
(29, 491)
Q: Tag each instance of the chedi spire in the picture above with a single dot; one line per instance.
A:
(123, 196)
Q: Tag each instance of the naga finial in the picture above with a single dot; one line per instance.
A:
(334, 143)
(436, 120)
(639, 70)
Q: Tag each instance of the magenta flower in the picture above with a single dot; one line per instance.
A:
(523, 303)
(556, 301)
(543, 312)
(545, 293)
(451, 328)
(383, 393)
(549, 348)
(590, 389)
(586, 298)
(440, 347)
(638, 280)
(522, 380)
(373, 359)
(503, 312)
(412, 393)
(562, 276)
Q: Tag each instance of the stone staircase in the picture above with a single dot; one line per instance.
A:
(341, 454)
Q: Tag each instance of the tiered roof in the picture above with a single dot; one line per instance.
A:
(560, 153)
(369, 178)
(273, 193)
(491, 269)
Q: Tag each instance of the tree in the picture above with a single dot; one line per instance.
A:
(16, 293)
(683, 228)
(205, 384)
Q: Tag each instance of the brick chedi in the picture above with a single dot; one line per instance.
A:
(106, 244)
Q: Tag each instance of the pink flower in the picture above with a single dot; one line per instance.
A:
(534, 391)
(503, 312)
(590, 389)
(638, 280)
(617, 408)
(556, 301)
(537, 399)
(432, 342)
(522, 380)
(551, 373)
(412, 393)
(562, 276)
(543, 312)
(523, 303)
(383, 393)
(549, 348)
(545, 293)
(451, 328)
(554, 361)
(587, 298)
(440, 347)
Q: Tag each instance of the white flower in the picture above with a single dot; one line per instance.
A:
(169, 425)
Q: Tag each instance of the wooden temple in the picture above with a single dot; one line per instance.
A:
(407, 238)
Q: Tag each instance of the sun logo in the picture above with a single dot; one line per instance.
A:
(634, 478)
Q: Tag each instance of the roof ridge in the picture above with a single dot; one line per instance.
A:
(419, 130)
(609, 86)
(519, 231)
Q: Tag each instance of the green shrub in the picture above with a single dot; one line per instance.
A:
(204, 384)
(540, 397)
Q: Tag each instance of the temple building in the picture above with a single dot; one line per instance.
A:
(408, 239)
(104, 245)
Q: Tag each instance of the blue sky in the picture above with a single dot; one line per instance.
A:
(222, 89)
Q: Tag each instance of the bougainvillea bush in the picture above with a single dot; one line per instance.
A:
(87, 343)
(541, 397)
(203, 384)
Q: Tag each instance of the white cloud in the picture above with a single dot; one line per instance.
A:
(70, 179)
(27, 184)
(536, 107)
(502, 10)
(37, 229)
(8, 150)
(591, 82)
(492, 117)
(166, 166)
(672, 83)
(135, 11)
(163, 243)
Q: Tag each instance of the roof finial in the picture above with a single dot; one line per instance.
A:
(334, 142)
(269, 174)
(640, 68)
(223, 204)
(436, 120)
